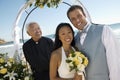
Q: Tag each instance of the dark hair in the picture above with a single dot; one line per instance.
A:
(58, 43)
(73, 7)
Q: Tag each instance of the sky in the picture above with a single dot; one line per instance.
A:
(101, 11)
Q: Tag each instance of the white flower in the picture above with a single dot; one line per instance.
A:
(6, 65)
(11, 75)
(23, 63)
(80, 59)
(26, 78)
(81, 67)
(9, 64)
(1, 67)
(70, 64)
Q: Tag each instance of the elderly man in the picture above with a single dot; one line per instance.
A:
(37, 51)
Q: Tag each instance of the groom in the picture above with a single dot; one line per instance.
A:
(98, 43)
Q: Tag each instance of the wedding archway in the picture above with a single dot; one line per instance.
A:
(23, 9)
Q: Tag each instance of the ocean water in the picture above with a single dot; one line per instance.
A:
(10, 49)
(116, 30)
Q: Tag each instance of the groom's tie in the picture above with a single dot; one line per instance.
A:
(84, 31)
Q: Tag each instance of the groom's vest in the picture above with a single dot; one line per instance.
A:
(94, 49)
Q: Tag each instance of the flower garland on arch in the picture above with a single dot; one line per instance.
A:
(42, 3)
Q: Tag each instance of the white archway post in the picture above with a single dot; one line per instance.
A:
(16, 30)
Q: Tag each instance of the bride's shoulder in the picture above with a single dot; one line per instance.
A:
(57, 52)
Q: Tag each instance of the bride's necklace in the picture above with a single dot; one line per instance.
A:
(67, 50)
(67, 53)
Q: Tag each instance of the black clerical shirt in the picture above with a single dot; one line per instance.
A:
(38, 56)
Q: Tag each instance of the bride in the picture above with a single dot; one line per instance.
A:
(64, 43)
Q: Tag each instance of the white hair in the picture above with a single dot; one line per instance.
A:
(29, 25)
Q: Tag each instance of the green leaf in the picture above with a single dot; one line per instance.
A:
(68, 61)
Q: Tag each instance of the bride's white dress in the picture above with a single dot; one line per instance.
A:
(63, 70)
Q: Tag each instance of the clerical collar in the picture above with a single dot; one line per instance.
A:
(36, 42)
